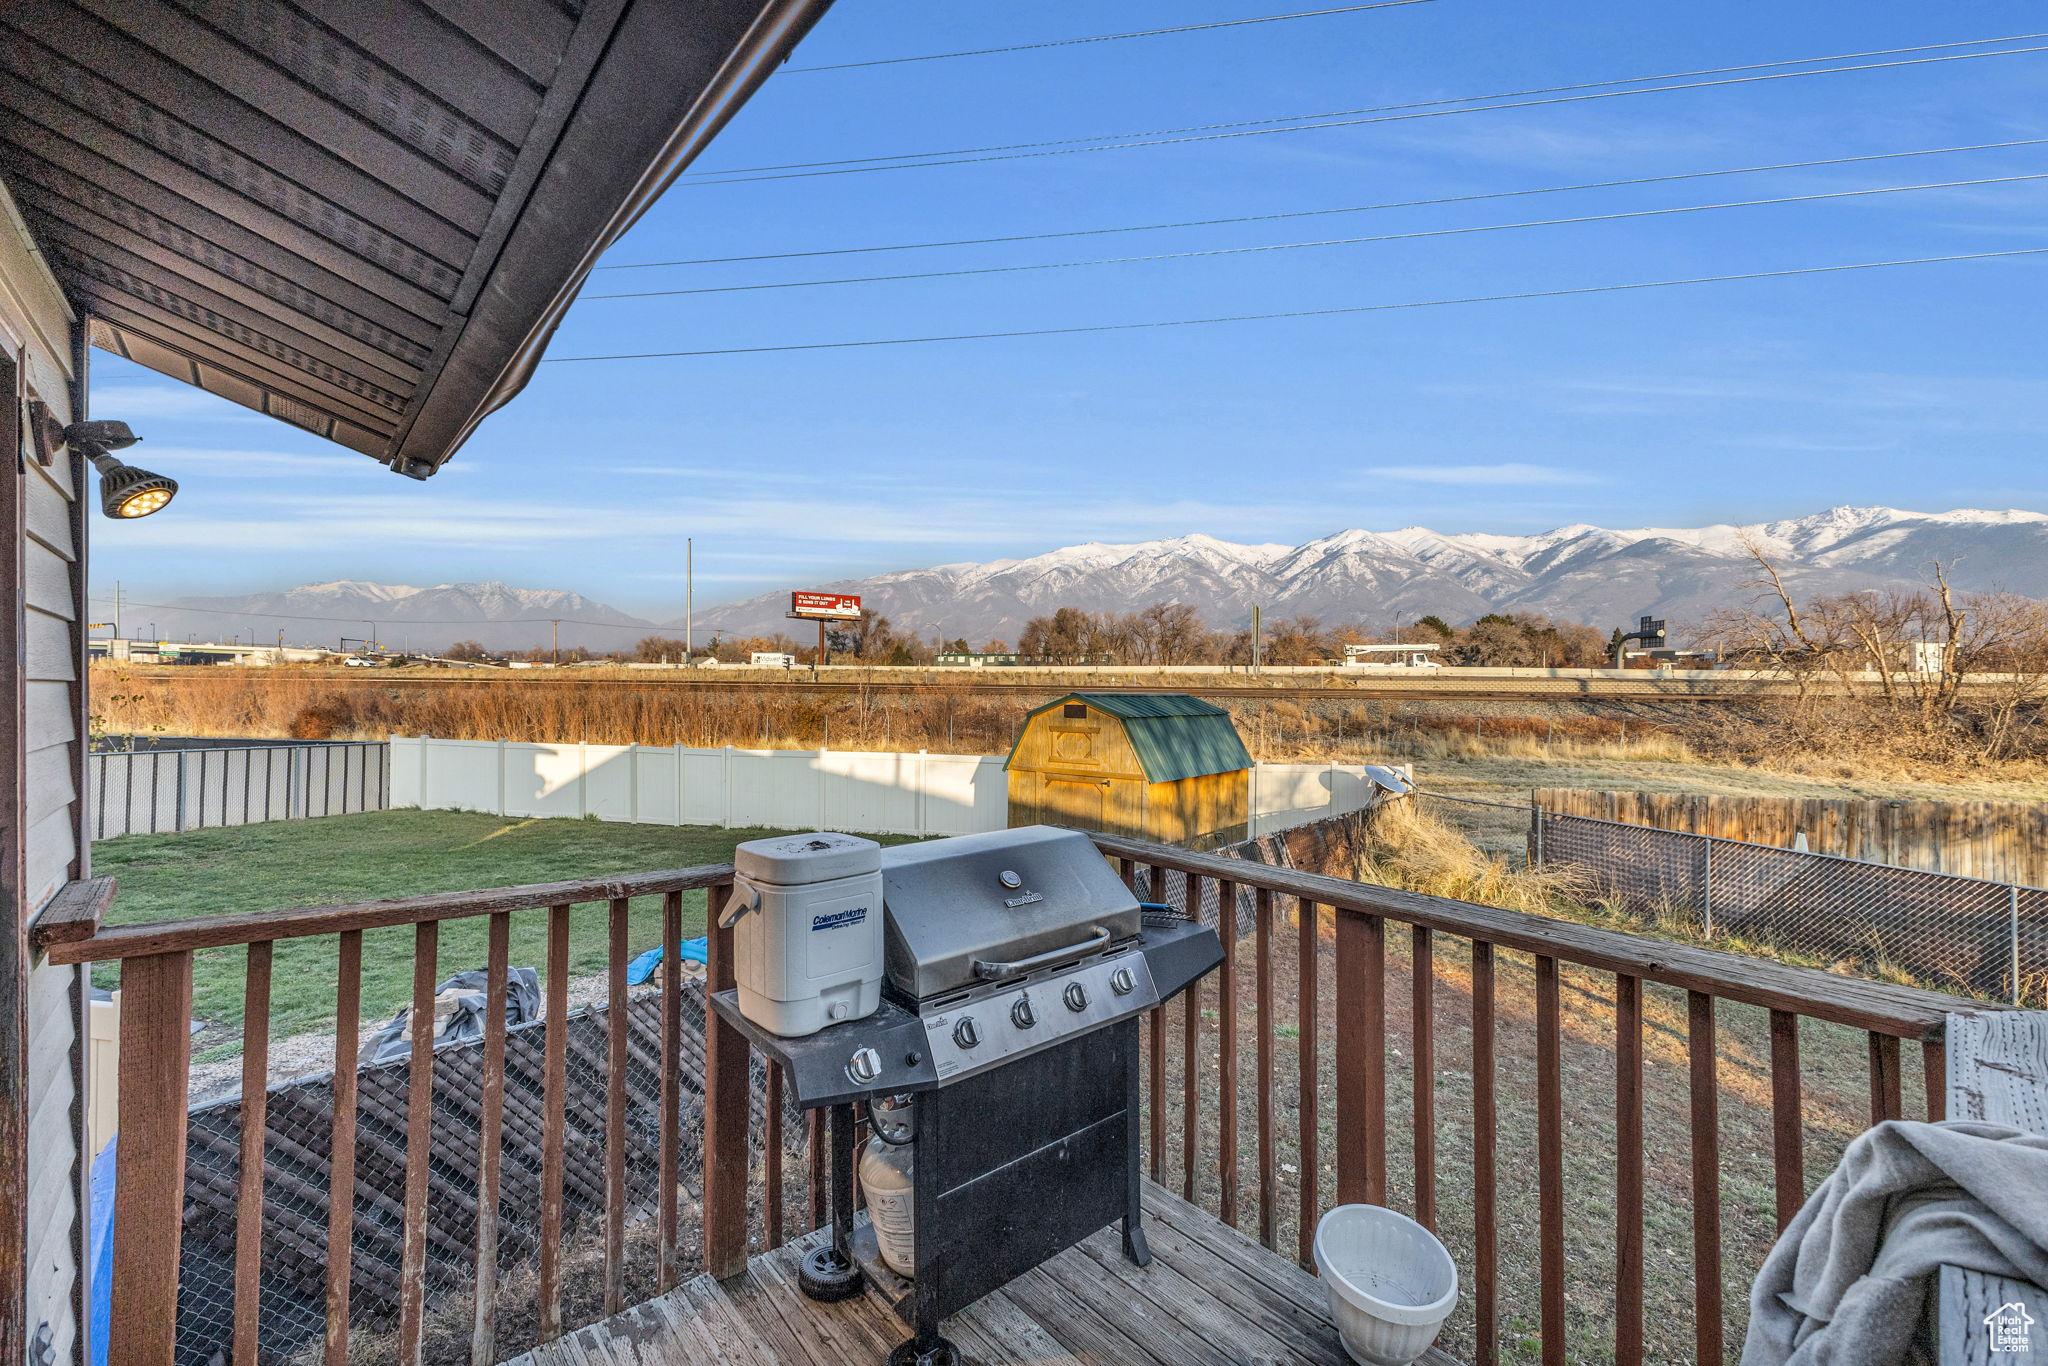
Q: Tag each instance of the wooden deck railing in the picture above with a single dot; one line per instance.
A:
(156, 963)
(1341, 946)
(1203, 1053)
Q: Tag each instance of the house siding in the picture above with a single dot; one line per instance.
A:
(42, 800)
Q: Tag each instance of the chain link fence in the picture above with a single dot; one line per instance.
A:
(1988, 939)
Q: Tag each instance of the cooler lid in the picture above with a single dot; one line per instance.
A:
(792, 860)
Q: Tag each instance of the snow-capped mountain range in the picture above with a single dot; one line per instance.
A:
(1576, 573)
(400, 617)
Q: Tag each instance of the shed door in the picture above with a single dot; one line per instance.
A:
(1074, 801)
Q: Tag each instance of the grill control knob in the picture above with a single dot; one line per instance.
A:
(1022, 1015)
(967, 1034)
(1122, 983)
(864, 1066)
(1076, 996)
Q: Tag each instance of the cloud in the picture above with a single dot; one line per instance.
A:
(126, 402)
(1510, 473)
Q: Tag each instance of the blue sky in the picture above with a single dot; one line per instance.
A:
(1916, 387)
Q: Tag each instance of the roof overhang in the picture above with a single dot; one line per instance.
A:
(364, 217)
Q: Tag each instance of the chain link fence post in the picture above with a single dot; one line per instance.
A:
(1707, 885)
(2012, 911)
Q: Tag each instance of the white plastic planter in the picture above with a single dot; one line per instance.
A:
(1391, 1283)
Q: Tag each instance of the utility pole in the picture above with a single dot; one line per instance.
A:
(1258, 626)
(117, 607)
(555, 639)
(689, 594)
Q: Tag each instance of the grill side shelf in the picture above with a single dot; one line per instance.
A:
(815, 1064)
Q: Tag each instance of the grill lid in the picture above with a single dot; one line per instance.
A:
(1002, 897)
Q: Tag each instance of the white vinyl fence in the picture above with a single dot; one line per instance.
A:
(910, 794)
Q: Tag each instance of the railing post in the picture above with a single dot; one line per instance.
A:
(726, 1087)
(149, 1198)
(1361, 1059)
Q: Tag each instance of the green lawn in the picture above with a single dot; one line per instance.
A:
(390, 854)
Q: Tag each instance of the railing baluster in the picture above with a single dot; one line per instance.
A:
(616, 1026)
(1422, 1029)
(727, 1103)
(1155, 1081)
(255, 1123)
(1485, 1211)
(1226, 1046)
(1934, 1068)
(1191, 1066)
(1887, 1084)
(419, 1138)
(1268, 1193)
(1310, 944)
(149, 1197)
(554, 1104)
(1788, 1125)
(483, 1333)
(341, 1144)
(1550, 1161)
(814, 1138)
(669, 1158)
(1628, 1171)
(1701, 1048)
(771, 1160)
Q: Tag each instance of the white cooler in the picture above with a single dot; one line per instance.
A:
(807, 930)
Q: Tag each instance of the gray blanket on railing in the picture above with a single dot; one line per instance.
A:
(1850, 1280)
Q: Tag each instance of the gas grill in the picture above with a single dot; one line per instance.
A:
(1017, 965)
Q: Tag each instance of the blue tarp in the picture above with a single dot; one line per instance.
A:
(642, 968)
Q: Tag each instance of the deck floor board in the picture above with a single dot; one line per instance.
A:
(1212, 1297)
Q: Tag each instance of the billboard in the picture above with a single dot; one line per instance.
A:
(824, 606)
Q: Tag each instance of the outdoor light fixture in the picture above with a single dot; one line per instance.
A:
(125, 491)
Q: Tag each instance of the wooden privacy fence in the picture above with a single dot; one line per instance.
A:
(154, 791)
(1995, 841)
(1305, 1072)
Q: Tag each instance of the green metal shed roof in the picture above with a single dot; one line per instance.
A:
(1176, 736)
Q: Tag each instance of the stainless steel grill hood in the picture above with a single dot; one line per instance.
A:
(996, 907)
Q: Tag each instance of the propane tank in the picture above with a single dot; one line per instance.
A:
(885, 1178)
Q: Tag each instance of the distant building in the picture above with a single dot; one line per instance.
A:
(1392, 656)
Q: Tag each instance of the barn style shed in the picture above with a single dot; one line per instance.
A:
(1158, 766)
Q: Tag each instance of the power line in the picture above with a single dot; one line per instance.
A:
(1305, 312)
(1316, 213)
(1022, 151)
(1329, 242)
(1101, 37)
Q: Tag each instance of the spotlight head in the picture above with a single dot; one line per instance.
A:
(127, 492)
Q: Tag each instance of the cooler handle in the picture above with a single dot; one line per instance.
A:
(744, 899)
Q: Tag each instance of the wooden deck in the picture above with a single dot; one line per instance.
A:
(1212, 1297)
